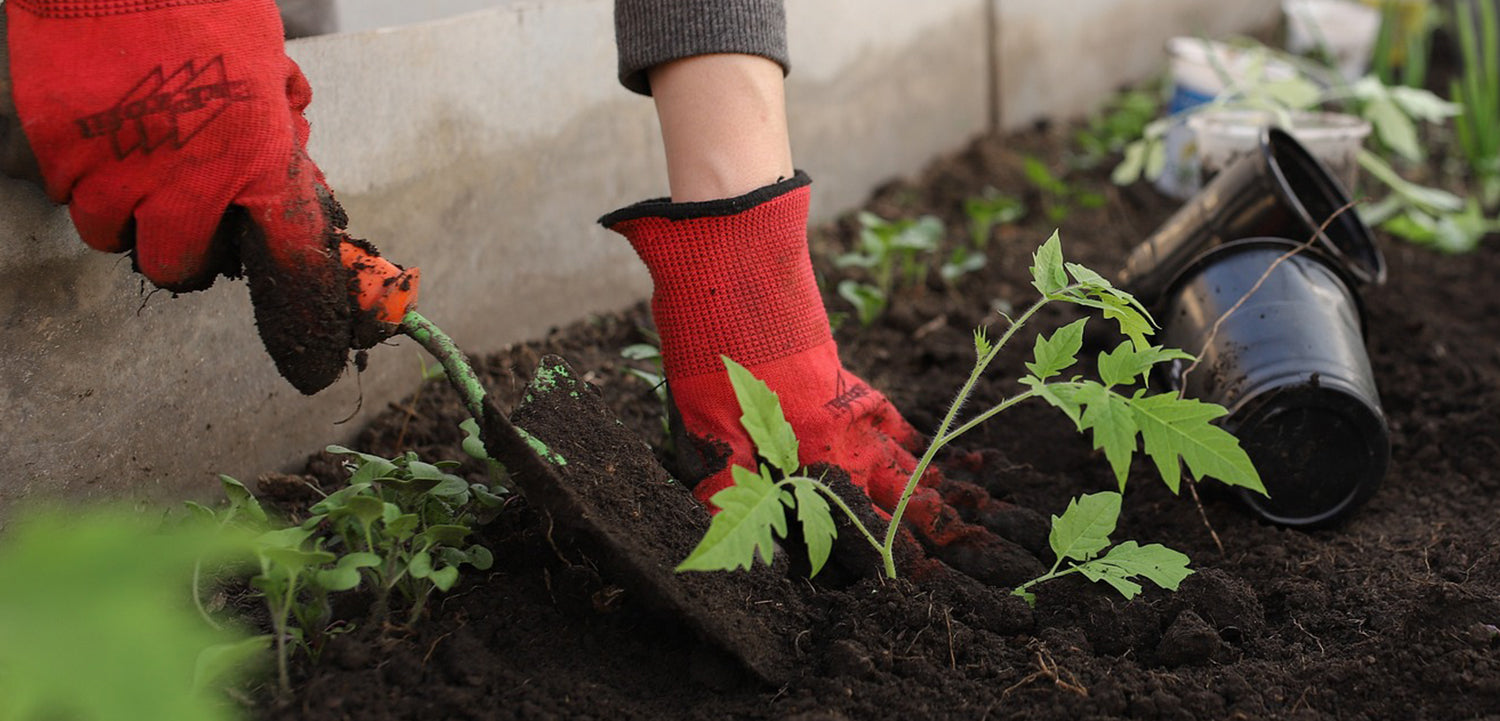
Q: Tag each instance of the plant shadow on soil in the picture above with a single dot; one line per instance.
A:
(1391, 616)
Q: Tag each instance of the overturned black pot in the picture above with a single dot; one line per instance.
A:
(1289, 364)
(1280, 190)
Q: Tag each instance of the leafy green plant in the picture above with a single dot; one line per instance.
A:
(895, 254)
(402, 523)
(1172, 430)
(1083, 531)
(650, 352)
(1403, 45)
(95, 621)
(988, 211)
(400, 527)
(984, 212)
(1061, 198)
(1122, 120)
(1478, 91)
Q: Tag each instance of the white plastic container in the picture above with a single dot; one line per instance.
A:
(1343, 29)
(1201, 71)
(1220, 136)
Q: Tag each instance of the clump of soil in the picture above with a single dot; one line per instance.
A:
(1392, 615)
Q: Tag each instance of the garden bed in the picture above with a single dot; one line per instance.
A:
(1393, 615)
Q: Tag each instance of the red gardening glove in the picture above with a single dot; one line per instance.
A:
(174, 131)
(733, 277)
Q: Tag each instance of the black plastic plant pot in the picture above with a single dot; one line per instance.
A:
(1290, 366)
(1281, 191)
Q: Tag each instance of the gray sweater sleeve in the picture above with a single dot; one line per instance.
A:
(651, 32)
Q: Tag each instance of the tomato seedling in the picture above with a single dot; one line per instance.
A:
(1172, 430)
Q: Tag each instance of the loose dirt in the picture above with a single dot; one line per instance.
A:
(1394, 615)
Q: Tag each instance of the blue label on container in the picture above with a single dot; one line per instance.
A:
(1184, 97)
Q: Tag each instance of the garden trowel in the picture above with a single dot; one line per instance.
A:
(605, 488)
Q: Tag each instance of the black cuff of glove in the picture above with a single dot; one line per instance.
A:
(665, 208)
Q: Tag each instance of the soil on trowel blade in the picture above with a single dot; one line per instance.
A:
(1393, 615)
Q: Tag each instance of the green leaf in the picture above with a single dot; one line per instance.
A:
(1295, 92)
(749, 511)
(982, 345)
(480, 557)
(444, 578)
(473, 445)
(241, 499)
(1174, 428)
(1155, 562)
(487, 498)
(345, 576)
(1109, 415)
(1126, 363)
(1060, 395)
(403, 526)
(1084, 527)
(294, 559)
(368, 467)
(1047, 274)
(868, 301)
(818, 530)
(1156, 159)
(452, 488)
(229, 660)
(338, 499)
(420, 565)
(763, 419)
(446, 534)
(1130, 168)
(367, 509)
(1424, 104)
(1055, 354)
(641, 351)
(1394, 128)
(95, 619)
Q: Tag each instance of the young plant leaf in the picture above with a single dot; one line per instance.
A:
(344, 576)
(818, 530)
(228, 660)
(1154, 562)
(749, 511)
(1047, 274)
(982, 344)
(1108, 415)
(1127, 362)
(868, 301)
(1174, 428)
(763, 419)
(1082, 531)
(1057, 353)
(444, 578)
(240, 498)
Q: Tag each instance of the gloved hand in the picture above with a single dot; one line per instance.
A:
(733, 277)
(174, 130)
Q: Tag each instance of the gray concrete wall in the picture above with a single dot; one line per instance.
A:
(1059, 59)
(481, 148)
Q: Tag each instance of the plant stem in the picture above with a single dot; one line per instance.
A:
(942, 437)
(284, 678)
(1048, 576)
(838, 501)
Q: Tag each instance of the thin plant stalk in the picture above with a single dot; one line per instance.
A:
(943, 437)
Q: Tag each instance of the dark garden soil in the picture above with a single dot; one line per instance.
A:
(1392, 616)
